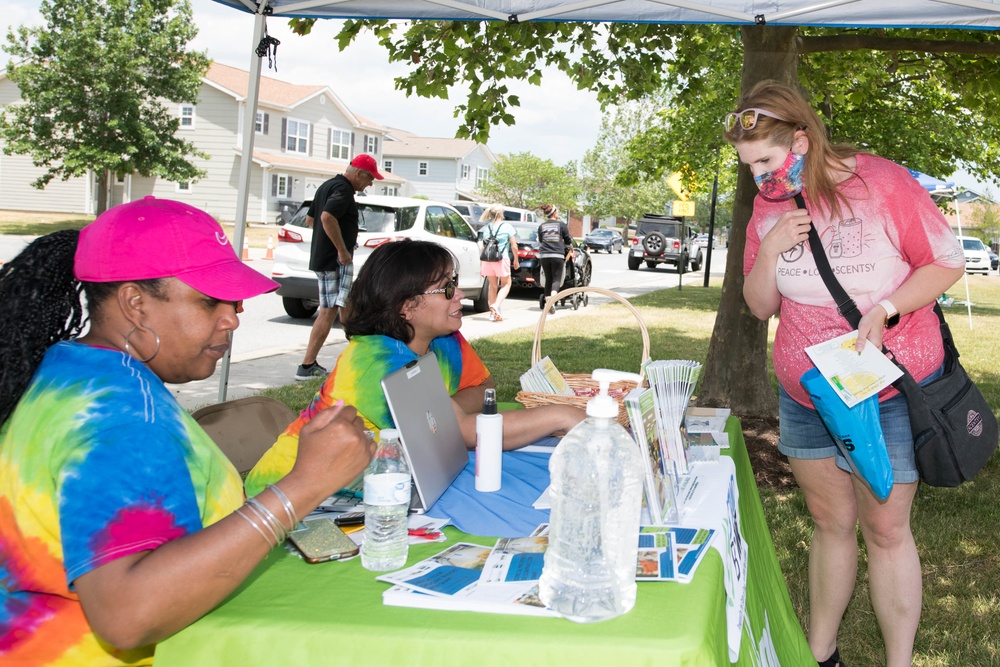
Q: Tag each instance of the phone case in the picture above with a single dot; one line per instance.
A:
(320, 540)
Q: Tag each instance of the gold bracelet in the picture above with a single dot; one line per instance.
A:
(287, 504)
(239, 510)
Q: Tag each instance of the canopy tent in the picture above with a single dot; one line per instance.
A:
(965, 14)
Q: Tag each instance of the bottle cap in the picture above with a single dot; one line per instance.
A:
(388, 434)
(490, 402)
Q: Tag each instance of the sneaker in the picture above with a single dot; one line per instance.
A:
(313, 370)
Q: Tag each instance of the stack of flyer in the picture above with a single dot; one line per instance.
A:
(545, 378)
(673, 383)
(660, 471)
(504, 579)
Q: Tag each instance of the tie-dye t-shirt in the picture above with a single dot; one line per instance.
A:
(890, 229)
(97, 461)
(356, 379)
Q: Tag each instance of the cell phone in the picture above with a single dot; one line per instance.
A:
(320, 539)
(350, 519)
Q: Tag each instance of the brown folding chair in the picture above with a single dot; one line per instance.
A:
(244, 428)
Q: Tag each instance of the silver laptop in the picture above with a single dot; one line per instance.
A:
(422, 411)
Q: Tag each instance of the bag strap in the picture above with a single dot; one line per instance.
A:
(845, 304)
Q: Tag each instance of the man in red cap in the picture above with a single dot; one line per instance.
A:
(332, 251)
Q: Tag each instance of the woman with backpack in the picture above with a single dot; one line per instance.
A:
(554, 250)
(497, 239)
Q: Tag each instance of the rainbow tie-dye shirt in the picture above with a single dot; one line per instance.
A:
(356, 379)
(98, 461)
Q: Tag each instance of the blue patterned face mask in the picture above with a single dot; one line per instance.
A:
(784, 182)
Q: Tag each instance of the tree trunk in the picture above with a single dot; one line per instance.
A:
(103, 187)
(736, 368)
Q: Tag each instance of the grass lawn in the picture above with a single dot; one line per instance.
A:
(955, 529)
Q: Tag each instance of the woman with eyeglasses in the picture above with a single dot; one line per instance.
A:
(893, 252)
(405, 303)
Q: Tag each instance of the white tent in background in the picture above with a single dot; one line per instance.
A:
(940, 191)
(966, 14)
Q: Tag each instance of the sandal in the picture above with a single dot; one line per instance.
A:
(832, 661)
(495, 315)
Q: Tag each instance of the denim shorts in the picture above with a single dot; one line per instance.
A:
(804, 436)
(335, 286)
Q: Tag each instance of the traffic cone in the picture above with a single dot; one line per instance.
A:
(246, 250)
(270, 249)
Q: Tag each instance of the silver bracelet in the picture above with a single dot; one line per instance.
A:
(287, 504)
(267, 517)
(239, 510)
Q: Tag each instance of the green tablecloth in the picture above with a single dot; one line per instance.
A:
(293, 613)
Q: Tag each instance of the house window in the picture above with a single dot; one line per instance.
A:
(187, 116)
(390, 190)
(387, 165)
(281, 185)
(340, 144)
(422, 168)
(262, 122)
(482, 175)
(371, 144)
(297, 136)
(466, 172)
(183, 187)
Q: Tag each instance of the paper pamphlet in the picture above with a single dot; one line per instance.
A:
(545, 378)
(657, 481)
(706, 420)
(504, 579)
(853, 376)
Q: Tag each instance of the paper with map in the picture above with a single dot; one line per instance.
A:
(853, 376)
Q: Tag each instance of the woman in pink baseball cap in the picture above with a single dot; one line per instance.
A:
(137, 523)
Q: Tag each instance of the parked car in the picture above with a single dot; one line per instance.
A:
(664, 239)
(529, 272)
(993, 258)
(701, 240)
(604, 238)
(519, 215)
(976, 257)
(380, 219)
(470, 210)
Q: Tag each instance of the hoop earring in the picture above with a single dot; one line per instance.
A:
(128, 347)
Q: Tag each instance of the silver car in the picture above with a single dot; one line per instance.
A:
(380, 219)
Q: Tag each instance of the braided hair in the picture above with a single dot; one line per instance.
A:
(41, 303)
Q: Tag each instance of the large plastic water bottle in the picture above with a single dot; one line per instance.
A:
(387, 503)
(596, 491)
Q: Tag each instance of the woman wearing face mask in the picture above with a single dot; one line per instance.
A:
(893, 252)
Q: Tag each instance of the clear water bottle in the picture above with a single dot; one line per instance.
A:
(387, 504)
(596, 491)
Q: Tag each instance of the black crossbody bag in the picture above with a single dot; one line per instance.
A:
(954, 430)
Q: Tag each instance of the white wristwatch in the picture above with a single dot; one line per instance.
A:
(891, 314)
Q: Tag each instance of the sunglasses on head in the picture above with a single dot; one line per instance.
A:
(448, 290)
(747, 119)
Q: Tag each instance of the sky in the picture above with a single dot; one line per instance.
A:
(555, 121)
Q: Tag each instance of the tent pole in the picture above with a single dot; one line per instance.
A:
(968, 299)
(246, 162)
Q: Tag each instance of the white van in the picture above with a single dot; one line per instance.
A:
(518, 214)
(976, 257)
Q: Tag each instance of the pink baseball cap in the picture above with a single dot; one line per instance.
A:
(367, 162)
(160, 238)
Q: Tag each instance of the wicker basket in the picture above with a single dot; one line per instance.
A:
(531, 399)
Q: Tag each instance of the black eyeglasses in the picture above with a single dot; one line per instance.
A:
(747, 118)
(448, 290)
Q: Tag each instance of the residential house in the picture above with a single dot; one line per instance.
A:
(304, 135)
(436, 167)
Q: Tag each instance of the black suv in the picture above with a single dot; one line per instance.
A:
(664, 239)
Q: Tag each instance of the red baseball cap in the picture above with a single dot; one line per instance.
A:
(367, 162)
(160, 238)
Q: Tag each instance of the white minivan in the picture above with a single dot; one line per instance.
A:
(976, 256)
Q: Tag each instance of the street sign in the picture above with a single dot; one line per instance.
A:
(682, 209)
(674, 181)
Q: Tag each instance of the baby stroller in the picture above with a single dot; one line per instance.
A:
(572, 277)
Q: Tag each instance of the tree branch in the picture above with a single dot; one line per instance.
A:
(860, 42)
